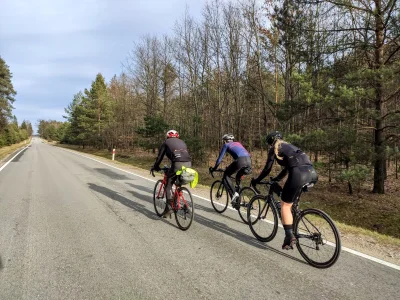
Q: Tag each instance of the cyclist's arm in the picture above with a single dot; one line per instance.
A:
(268, 166)
(161, 153)
(221, 155)
(281, 175)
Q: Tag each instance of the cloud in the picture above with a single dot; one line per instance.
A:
(55, 48)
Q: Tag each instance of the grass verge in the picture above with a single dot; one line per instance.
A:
(4, 151)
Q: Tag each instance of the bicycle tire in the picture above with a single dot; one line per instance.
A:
(184, 216)
(310, 228)
(245, 196)
(262, 218)
(219, 196)
(160, 203)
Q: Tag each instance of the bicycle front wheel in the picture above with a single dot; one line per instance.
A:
(219, 196)
(245, 195)
(159, 198)
(185, 214)
(262, 218)
(318, 239)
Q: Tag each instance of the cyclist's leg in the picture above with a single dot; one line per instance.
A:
(171, 178)
(244, 165)
(229, 171)
(291, 190)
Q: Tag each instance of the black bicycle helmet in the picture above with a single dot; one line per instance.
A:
(273, 136)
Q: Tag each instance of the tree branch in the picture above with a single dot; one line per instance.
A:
(392, 95)
(348, 5)
(392, 4)
(391, 113)
(388, 126)
(392, 54)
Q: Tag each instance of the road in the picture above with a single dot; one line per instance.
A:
(73, 228)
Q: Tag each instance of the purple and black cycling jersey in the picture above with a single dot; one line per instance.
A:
(235, 149)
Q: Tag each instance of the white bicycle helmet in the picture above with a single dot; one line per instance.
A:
(172, 134)
(228, 137)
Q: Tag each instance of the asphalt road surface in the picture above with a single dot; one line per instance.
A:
(73, 228)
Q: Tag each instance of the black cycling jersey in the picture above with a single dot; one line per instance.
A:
(297, 164)
(176, 151)
(291, 157)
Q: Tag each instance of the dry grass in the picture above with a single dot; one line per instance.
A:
(4, 151)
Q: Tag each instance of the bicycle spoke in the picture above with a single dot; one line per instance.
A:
(159, 199)
(263, 221)
(185, 213)
(318, 238)
(219, 196)
(245, 196)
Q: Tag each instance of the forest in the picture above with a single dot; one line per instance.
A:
(10, 132)
(324, 73)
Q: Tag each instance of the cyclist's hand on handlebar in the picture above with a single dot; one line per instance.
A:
(211, 169)
(154, 169)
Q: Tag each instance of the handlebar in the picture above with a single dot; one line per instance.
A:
(164, 170)
(211, 171)
(253, 185)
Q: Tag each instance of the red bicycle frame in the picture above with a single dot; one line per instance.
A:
(176, 205)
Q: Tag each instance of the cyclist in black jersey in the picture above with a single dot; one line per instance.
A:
(176, 150)
(301, 171)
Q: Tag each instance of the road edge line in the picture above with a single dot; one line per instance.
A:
(366, 256)
(10, 160)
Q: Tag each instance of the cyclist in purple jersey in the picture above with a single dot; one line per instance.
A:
(241, 164)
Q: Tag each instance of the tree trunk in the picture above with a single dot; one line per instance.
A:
(350, 188)
(379, 165)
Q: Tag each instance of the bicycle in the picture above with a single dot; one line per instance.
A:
(220, 196)
(310, 227)
(182, 204)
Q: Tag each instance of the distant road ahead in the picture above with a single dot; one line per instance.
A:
(72, 228)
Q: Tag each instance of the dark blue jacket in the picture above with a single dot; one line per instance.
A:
(235, 149)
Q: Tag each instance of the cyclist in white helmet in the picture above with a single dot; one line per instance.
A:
(242, 163)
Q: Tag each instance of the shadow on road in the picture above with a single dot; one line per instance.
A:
(223, 228)
(111, 174)
(18, 158)
(125, 201)
(142, 188)
(209, 223)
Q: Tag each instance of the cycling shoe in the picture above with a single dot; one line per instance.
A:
(289, 242)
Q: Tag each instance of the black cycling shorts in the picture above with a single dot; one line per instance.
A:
(298, 177)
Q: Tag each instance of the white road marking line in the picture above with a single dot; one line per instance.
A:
(5, 165)
(377, 260)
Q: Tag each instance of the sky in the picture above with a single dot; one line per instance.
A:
(55, 48)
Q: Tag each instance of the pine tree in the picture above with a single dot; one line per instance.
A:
(7, 94)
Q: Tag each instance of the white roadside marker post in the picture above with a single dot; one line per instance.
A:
(113, 154)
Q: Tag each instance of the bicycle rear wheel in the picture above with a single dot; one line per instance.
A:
(159, 198)
(185, 214)
(219, 196)
(318, 239)
(245, 195)
(262, 218)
